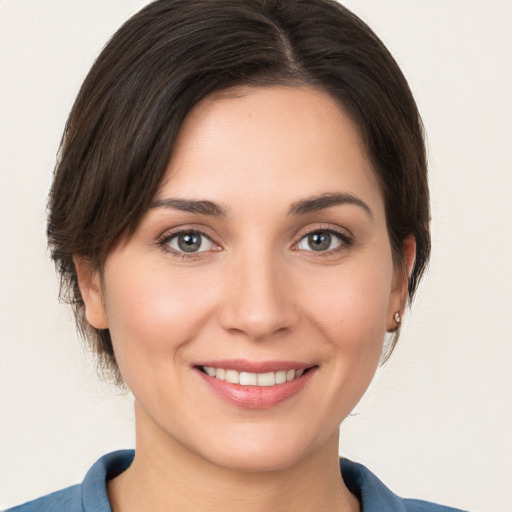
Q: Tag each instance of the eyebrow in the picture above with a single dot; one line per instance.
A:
(322, 201)
(189, 205)
(301, 207)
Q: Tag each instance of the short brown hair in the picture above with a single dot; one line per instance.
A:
(121, 131)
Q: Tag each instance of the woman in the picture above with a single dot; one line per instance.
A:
(239, 215)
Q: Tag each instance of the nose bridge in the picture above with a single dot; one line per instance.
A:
(258, 302)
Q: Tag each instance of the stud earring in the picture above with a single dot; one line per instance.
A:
(397, 318)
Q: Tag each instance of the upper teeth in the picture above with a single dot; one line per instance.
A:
(253, 379)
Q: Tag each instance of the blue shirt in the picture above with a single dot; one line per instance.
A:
(91, 494)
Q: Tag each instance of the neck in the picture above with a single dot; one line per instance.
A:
(165, 475)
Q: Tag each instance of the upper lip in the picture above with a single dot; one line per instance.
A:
(244, 365)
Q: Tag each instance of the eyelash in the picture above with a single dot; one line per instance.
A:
(346, 242)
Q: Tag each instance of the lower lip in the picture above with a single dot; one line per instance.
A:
(256, 397)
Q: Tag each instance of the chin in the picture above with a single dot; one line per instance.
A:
(262, 450)
(257, 460)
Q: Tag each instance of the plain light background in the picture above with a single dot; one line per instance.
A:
(438, 423)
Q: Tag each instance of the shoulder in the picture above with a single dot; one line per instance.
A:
(90, 495)
(68, 499)
(376, 497)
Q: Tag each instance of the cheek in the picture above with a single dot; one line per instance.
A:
(351, 304)
(153, 312)
(351, 313)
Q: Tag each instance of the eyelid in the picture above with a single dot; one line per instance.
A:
(187, 228)
(332, 228)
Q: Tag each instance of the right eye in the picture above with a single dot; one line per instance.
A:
(188, 242)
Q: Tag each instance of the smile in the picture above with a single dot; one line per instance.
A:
(253, 379)
(255, 384)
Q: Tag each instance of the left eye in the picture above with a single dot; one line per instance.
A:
(319, 241)
(189, 241)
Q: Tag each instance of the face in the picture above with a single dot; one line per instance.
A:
(248, 310)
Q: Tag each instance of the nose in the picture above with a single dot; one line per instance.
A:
(258, 299)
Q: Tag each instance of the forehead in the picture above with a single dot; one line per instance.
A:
(272, 144)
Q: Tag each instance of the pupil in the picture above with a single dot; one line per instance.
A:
(319, 241)
(190, 242)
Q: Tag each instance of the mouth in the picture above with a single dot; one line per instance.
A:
(255, 385)
(265, 379)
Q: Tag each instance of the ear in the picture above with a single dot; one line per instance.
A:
(92, 293)
(400, 286)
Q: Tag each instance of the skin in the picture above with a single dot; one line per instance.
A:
(256, 292)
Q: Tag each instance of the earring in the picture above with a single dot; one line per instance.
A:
(397, 318)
